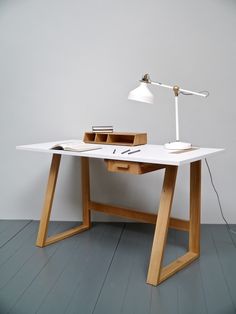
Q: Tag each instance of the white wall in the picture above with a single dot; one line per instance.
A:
(67, 65)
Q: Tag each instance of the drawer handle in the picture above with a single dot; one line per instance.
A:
(124, 167)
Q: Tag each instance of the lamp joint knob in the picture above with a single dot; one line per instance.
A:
(176, 90)
(145, 78)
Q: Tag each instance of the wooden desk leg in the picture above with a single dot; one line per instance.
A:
(85, 182)
(42, 239)
(52, 180)
(162, 225)
(195, 207)
(155, 274)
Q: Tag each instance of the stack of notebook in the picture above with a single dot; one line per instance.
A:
(102, 129)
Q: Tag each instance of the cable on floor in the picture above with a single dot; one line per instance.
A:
(229, 229)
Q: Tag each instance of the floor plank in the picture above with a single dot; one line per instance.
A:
(9, 229)
(17, 242)
(191, 296)
(12, 265)
(95, 267)
(215, 287)
(43, 282)
(125, 289)
(21, 268)
(226, 253)
(128, 269)
(165, 297)
(60, 283)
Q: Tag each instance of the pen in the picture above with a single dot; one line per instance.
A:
(114, 151)
(126, 151)
(135, 151)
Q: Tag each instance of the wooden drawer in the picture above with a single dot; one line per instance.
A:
(131, 166)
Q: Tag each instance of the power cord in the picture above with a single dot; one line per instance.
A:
(229, 229)
(212, 182)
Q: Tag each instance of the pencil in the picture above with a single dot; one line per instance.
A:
(135, 151)
(126, 151)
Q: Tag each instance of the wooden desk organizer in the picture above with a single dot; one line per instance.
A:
(114, 138)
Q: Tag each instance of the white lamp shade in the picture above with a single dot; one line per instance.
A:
(141, 93)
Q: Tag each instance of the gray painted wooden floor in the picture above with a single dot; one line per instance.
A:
(104, 271)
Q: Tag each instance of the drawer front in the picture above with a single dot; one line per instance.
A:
(132, 167)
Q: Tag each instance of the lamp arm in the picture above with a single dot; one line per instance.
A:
(160, 84)
(177, 90)
(180, 90)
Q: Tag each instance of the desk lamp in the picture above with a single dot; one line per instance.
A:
(143, 94)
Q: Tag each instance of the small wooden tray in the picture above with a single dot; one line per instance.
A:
(114, 138)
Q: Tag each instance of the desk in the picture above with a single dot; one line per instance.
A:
(151, 158)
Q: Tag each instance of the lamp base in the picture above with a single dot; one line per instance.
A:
(177, 146)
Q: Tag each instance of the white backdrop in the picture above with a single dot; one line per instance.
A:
(68, 65)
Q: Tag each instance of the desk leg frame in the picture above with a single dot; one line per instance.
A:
(42, 239)
(157, 273)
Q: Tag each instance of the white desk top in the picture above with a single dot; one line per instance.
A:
(156, 154)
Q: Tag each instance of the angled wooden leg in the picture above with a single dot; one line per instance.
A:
(52, 180)
(42, 239)
(162, 225)
(194, 231)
